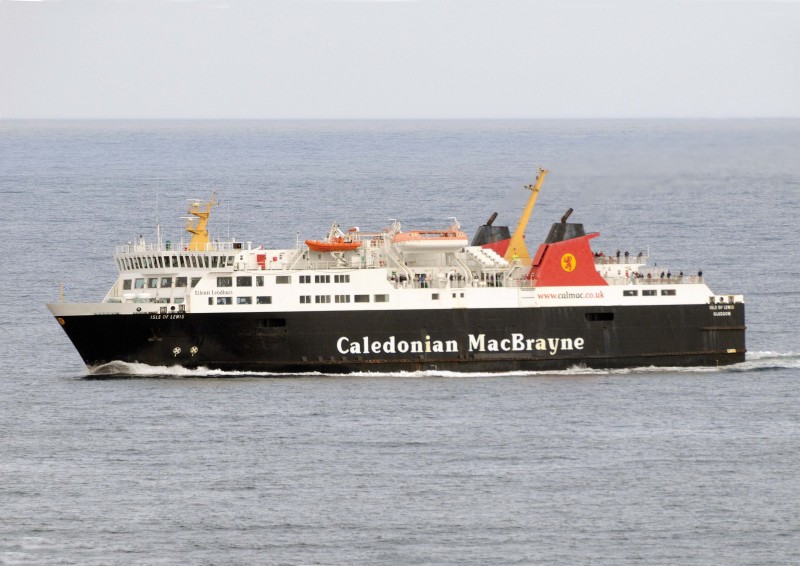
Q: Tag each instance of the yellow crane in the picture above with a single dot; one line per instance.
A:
(516, 246)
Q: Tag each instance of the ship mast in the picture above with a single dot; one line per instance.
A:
(197, 226)
(516, 246)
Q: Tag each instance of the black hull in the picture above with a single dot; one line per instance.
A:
(463, 340)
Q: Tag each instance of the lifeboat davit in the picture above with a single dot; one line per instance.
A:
(430, 241)
(333, 245)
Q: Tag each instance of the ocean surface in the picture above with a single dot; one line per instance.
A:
(168, 466)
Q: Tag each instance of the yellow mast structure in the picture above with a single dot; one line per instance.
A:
(516, 247)
(197, 226)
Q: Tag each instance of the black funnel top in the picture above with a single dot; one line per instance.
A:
(564, 230)
(561, 231)
(488, 234)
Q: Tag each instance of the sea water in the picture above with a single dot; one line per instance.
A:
(171, 466)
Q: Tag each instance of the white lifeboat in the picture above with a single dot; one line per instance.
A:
(431, 241)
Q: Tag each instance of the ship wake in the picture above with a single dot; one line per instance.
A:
(756, 361)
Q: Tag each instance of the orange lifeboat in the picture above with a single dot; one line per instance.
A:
(332, 245)
(336, 241)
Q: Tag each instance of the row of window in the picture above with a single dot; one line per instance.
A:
(169, 261)
(648, 293)
(344, 278)
(240, 300)
(156, 282)
(304, 299)
(241, 281)
(323, 299)
(223, 281)
(247, 280)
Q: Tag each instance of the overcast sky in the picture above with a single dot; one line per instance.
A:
(399, 59)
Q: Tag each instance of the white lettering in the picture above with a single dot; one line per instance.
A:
(517, 342)
(477, 343)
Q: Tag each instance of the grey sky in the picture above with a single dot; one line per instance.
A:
(399, 59)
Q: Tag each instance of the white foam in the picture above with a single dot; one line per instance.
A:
(755, 361)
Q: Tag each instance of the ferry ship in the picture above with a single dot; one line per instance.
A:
(402, 300)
